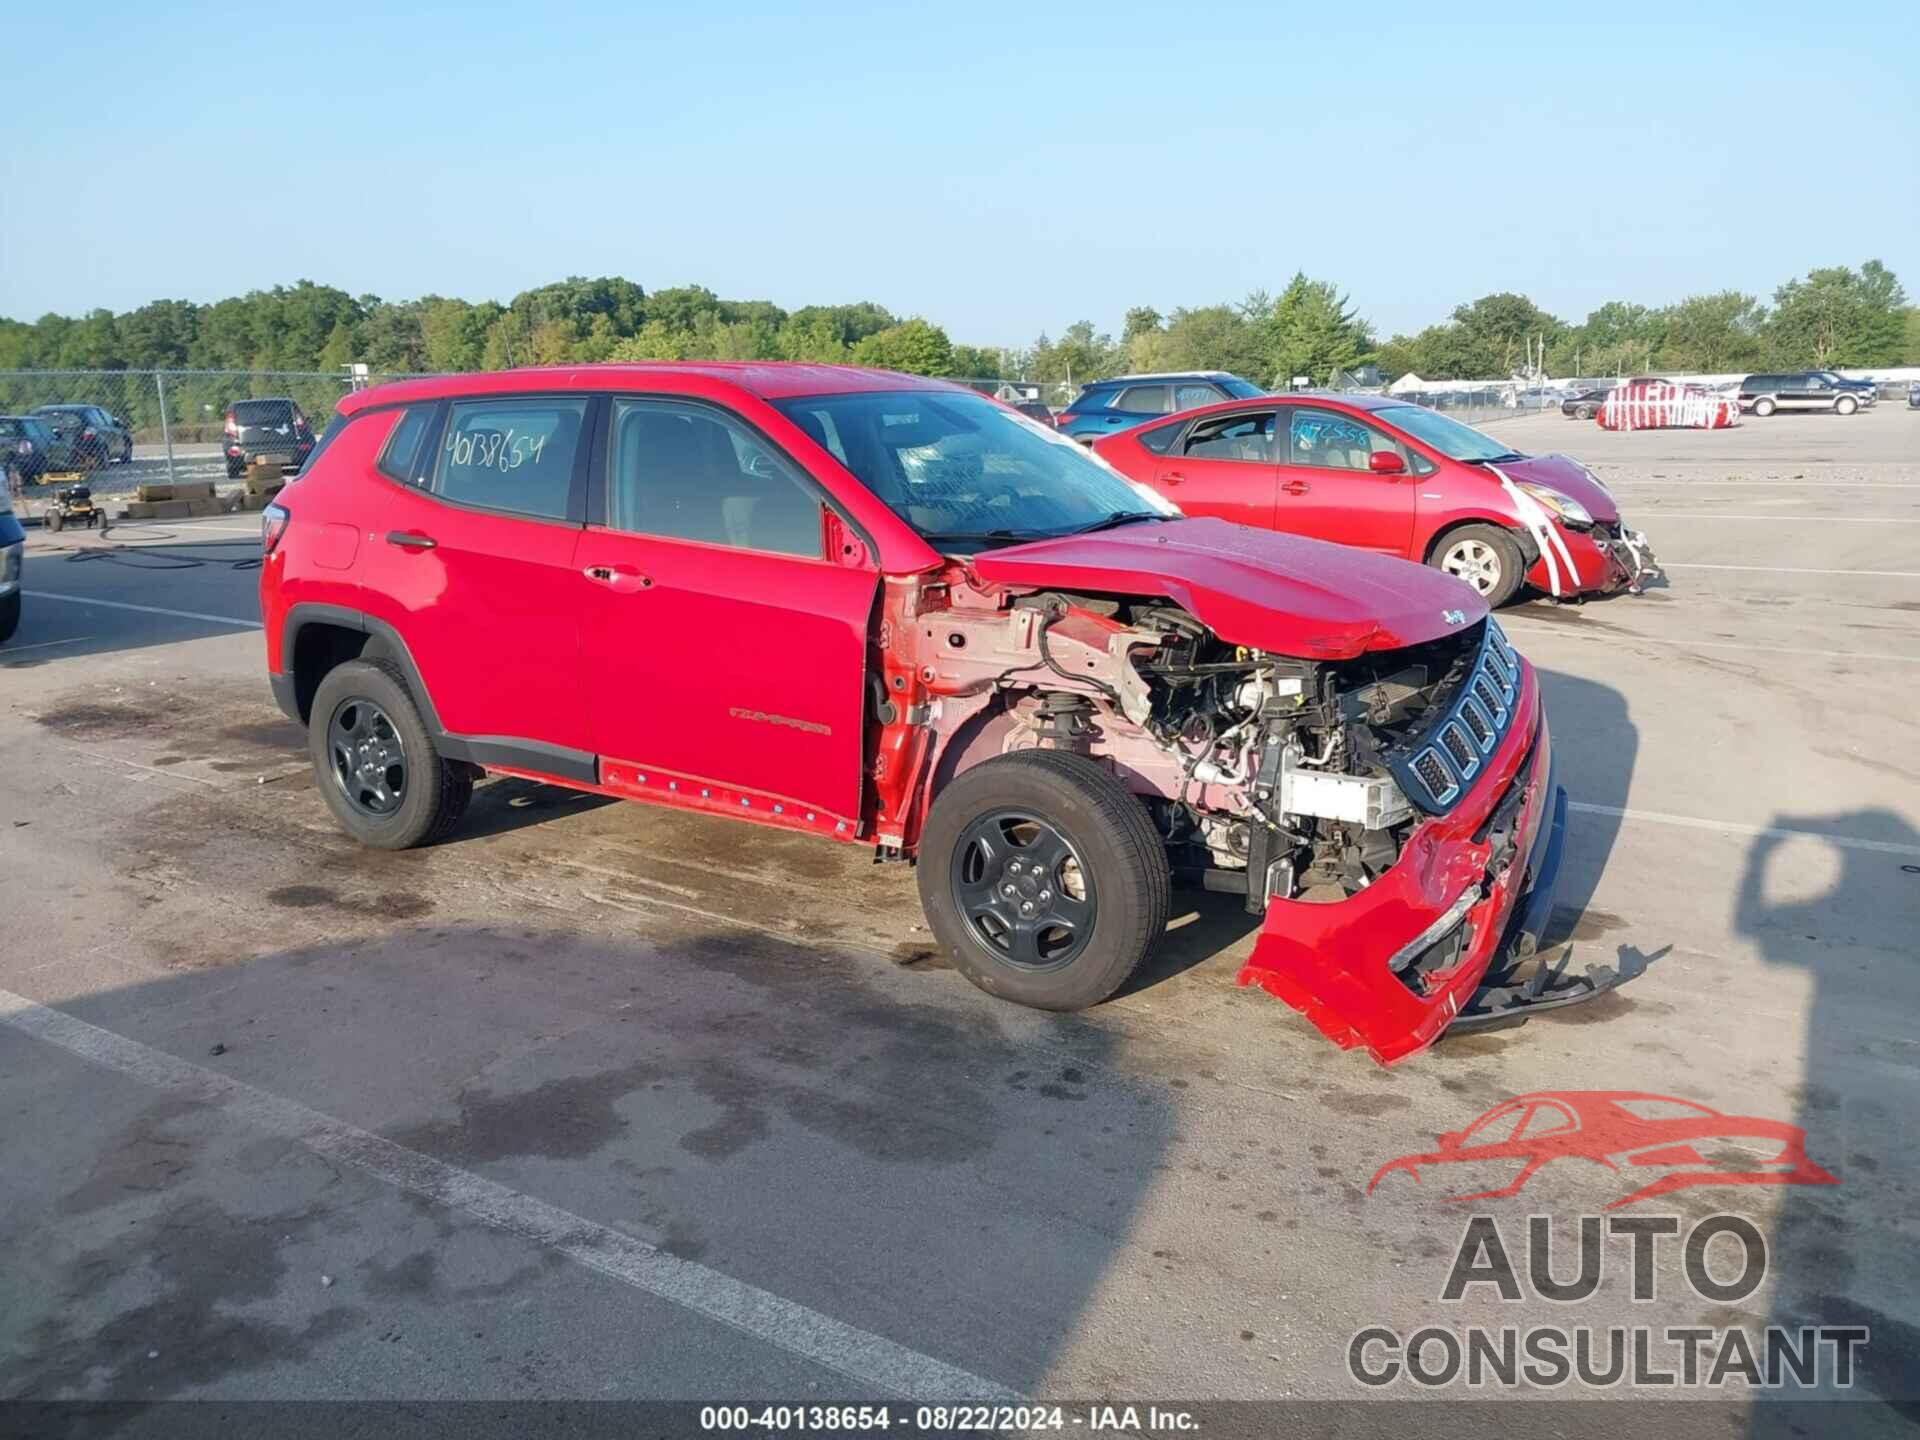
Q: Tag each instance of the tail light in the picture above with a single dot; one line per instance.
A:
(87, 434)
(25, 447)
(233, 425)
(273, 524)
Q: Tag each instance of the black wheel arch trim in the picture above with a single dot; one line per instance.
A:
(497, 751)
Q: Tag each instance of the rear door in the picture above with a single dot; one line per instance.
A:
(724, 647)
(471, 558)
(1327, 490)
(1225, 466)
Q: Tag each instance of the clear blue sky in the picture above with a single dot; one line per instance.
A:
(999, 168)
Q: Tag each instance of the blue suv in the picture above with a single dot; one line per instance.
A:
(1107, 406)
(13, 546)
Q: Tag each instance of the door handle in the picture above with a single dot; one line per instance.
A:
(411, 540)
(622, 578)
(1174, 477)
(1296, 487)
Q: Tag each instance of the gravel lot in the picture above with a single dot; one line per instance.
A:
(599, 1102)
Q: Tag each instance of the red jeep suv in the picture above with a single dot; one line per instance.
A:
(889, 611)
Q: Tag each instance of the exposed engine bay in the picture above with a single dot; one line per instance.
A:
(1268, 775)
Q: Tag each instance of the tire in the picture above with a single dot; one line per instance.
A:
(54, 521)
(1106, 841)
(1483, 556)
(234, 471)
(9, 616)
(432, 792)
(1763, 408)
(1584, 412)
(1845, 405)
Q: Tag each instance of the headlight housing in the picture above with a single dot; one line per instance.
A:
(1570, 510)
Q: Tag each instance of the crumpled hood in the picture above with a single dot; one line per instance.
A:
(1570, 478)
(1282, 593)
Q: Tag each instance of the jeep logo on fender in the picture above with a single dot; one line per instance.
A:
(763, 718)
(1454, 617)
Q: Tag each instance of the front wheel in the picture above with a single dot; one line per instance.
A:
(1044, 877)
(1484, 556)
(55, 521)
(1846, 405)
(1585, 412)
(1763, 408)
(375, 761)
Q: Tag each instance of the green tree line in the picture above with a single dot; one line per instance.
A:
(1833, 316)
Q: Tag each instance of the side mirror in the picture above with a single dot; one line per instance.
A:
(1386, 462)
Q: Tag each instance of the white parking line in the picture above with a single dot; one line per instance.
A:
(1793, 570)
(145, 609)
(859, 1355)
(42, 645)
(1655, 512)
(1625, 637)
(1734, 827)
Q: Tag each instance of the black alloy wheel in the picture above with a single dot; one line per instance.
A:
(1025, 894)
(369, 758)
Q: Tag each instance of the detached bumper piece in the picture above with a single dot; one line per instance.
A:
(1502, 997)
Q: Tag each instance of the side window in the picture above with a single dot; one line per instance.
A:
(1814, 382)
(512, 455)
(1159, 438)
(1233, 437)
(685, 472)
(1143, 399)
(1187, 397)
(1328, 440)
(400, 457)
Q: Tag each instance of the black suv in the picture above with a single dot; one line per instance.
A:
(270, 430)
(1804, 390)
(1107, 406)
(1585, 404)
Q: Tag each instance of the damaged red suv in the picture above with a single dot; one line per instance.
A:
(888, 611)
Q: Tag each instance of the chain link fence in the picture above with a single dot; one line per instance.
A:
(125, 428)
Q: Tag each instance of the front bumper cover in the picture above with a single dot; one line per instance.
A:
(1331, 961)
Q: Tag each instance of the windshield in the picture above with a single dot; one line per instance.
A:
(965, 471)
(1449, 437)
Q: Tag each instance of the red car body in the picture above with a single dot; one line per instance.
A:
(1665, 405)
(1405, 497)
(1616, 1128)
(838, 692)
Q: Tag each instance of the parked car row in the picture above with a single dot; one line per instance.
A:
(63, 437)
(885, 610)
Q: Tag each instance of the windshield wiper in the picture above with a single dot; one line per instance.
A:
(1499, 459)
(1115, 520)
(997, 537)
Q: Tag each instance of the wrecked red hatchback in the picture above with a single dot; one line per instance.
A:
(892, 612)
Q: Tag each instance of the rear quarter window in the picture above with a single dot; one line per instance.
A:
(1160, 438)
(400, 456)
(512, 455)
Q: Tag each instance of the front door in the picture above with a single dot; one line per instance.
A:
(721, 647)
(1328, 490)
(1224, 466)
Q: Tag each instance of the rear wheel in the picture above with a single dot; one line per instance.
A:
(1584, 412)
(1044, 877)
(1486, 557)
(1846, 405)
(55, 521)
(1763, 408)
(375, 762)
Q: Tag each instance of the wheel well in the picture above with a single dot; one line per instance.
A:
(317, 649)
(1529, 549)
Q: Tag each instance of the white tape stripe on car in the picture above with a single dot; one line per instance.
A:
(1534, 516)
(861, 1356)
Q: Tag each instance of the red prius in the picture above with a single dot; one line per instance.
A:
(1379, 474)
(887, 611)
